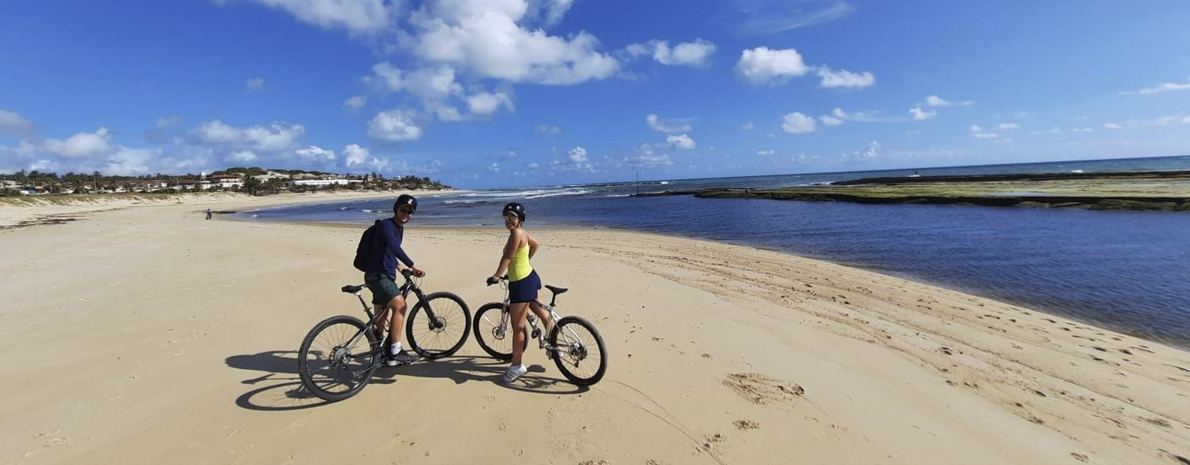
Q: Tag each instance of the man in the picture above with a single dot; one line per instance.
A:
(381, 275)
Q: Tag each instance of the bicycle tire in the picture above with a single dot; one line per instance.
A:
(578, 353)
(432, 340)
(493, 339)
(358, 376)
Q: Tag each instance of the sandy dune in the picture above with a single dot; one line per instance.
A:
(149, 335)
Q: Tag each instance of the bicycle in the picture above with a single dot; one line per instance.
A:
(566, 344)
(333, 353)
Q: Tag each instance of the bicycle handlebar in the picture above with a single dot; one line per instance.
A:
(497, 280)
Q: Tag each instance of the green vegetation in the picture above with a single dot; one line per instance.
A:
(1164, 191)
(251, 180)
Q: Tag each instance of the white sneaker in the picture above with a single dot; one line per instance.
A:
(401, 358)
(514, 372)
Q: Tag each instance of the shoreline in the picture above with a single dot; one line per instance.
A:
(39, 211)
(718, 353)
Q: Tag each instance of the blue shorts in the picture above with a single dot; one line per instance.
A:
(524, 290)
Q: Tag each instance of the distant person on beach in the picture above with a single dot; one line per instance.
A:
(381, 275)
(523, 284)
(208, 213)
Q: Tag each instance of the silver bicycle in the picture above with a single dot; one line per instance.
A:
(574, 344)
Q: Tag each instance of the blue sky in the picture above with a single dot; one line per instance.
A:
(494, 93)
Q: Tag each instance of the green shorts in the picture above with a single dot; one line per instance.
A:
(383, 287)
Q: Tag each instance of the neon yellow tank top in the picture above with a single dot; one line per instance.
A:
(519, 268)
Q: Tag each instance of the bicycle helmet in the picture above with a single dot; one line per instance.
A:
(405, 199)
(517, 209)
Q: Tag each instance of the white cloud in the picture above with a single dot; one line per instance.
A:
(671, 125)
(255, 83)
(81, 145)
(747, 126)
(978, 132)
(681, 141)
(828, 120)
(484, 103)
(355, 103)
(547, 129)
(394, 126)
(936, 101)
(574, 160)
(1111, 126)
(495, 167)
(577, 155)
(548, 12)
(922, 115)
(484, 38)
(773, 16)
(764, 66)
(1083, 130)
(276, 137)
(215, 132)
(242, 156)
(13, 125)
(1159, 88)
(797, 123)
(360, 158)
(844, 78)
(356, 16)
(534, 165)
(315, 153)
(1009, 126)
(766, 152)
(693, 54)
(864, 116)
(870, 151)
(129, 162)
(647, 156)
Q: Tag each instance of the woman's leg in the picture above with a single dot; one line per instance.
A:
(517, 312)
(543, 315)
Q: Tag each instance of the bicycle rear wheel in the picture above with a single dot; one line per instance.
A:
(337, 358)
(581, 355)
(493, 331)
(444, 333)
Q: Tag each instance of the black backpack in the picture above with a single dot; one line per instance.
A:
(364, 248)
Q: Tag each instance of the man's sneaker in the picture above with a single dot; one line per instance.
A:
(402, 358)
(514, 372)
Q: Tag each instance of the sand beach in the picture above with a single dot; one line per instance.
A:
(147, 334)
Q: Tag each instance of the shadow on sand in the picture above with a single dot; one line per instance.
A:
(283, 390)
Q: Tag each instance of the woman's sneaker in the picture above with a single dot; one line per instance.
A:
(514, 372)
(402, 358)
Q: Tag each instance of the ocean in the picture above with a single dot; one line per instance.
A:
(1124, 270)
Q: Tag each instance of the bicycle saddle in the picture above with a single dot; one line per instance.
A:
(352, 289)
(555, 290)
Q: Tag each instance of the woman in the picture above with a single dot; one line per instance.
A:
(523, 284)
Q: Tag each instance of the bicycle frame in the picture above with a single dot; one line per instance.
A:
(506, 320)
(405, 289)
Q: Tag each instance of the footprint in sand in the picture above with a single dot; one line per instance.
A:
(746, 424)
(763, 390)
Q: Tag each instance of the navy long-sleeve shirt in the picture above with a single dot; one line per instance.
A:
(386, 248)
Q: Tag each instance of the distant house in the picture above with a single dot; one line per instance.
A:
(189, 185)
(227, 181)
(323, 182)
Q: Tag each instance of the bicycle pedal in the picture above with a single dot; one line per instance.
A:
(536, 333)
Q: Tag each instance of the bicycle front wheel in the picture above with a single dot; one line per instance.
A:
(581, 355)
(337, 358)
(438, 325)
(493, 331)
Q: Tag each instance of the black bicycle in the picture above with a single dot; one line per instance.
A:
(339, 356)
(574, 343)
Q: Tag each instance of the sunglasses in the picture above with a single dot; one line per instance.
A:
(405, 210)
